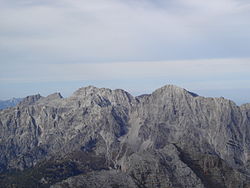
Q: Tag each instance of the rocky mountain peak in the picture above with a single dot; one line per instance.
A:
(173, 90)
(102, 96)
(170, 138)
(29, 100)
(51, 100)
(54, 96)
(85, 91)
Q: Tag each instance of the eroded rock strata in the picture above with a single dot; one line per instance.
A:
(107, 138)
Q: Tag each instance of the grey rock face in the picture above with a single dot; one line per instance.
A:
(29, 100)
(170, 138)
(108, 179)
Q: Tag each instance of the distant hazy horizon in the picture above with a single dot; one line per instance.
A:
(138, 46)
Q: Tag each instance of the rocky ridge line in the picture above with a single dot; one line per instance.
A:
(170, 138)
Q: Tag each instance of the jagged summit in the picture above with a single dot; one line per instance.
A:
(56, 95)
(170, 138)
(174, 90)
(171, 87)
(90, 93)
(29, 100)
(53, 96)
(101, 96)
(89, 90)
(51, 100)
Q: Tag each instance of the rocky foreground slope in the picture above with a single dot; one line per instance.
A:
(108, 138)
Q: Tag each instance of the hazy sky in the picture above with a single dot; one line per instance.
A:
(138, 45)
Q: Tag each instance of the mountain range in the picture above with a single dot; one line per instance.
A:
(97, 137)
(9, 103)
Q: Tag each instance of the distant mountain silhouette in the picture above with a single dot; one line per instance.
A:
(9, 103)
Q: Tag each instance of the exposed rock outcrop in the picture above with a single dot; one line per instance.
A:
(170, 138)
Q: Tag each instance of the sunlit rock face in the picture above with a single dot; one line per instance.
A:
(101, 137)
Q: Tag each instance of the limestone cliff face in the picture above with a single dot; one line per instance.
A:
(170, 138)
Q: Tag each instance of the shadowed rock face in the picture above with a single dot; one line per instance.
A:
(102, 137)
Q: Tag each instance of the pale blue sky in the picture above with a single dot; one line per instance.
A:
(138, 45)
